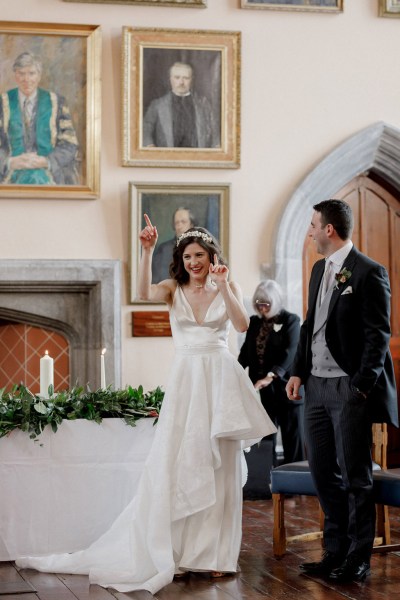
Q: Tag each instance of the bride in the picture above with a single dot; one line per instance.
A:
(187, 513)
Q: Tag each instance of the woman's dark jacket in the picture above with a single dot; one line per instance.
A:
(280, 348)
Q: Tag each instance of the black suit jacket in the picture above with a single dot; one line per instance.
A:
(158, 123)
(357, 333)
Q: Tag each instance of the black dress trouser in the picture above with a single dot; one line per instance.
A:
(338, 434)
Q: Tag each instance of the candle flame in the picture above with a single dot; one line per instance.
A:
(104, 351)
(46, 352)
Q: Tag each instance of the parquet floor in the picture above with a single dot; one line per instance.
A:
(261, 577)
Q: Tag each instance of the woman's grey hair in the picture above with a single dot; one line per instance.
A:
(27, 59)
(269, 291)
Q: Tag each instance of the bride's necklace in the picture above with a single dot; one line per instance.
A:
(195, 286)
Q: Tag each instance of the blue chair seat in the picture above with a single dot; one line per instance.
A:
(387, 487)
(293, 478)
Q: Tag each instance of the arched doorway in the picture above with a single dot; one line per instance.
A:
(375, 151)
(375, 197)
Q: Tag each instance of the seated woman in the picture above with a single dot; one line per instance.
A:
(268, 351)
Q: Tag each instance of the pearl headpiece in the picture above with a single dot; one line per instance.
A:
(204, 236)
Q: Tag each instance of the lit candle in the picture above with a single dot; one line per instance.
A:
(46, 374)
(102, 370)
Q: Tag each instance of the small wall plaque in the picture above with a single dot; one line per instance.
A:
(150, 323)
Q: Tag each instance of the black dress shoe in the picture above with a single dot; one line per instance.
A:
(329, 561)
(354, 568)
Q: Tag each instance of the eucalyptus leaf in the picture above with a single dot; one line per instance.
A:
(40, 407)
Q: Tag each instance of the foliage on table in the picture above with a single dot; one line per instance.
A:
(21, 409)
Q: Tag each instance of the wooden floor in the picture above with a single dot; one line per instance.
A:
(261, 576)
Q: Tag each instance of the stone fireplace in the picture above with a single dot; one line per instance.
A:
(80, 299)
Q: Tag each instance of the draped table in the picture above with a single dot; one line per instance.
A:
(60, 493)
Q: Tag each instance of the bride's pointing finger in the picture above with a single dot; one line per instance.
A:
(147, 219)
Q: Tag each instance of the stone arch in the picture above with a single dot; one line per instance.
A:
(374, 151)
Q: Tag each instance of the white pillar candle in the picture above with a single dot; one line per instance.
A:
(46, 374)
(102, 370)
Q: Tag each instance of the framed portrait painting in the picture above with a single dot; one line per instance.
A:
(181, 98)
(174, 208)
(169, 3)
(50, 102)
(389, 8)
(328, 6)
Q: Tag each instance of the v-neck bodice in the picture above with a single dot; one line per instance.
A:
(188, 333)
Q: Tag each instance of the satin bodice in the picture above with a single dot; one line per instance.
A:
(188, 334)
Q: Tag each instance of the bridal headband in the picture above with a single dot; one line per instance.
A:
(204, 236)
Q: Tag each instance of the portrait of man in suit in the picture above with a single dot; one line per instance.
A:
(182, 116)
(38, 143)
(344, 362)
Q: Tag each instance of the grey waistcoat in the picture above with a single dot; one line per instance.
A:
(323, 363)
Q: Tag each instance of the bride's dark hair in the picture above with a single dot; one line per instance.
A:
(194, 235)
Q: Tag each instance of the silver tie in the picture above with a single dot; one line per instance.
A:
(327, 280)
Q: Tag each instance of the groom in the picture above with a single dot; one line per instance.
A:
(343, 360)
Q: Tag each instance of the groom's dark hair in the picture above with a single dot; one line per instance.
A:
(339, 214)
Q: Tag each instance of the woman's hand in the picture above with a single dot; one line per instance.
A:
(262, 383)
(218, 273)
(148, 236)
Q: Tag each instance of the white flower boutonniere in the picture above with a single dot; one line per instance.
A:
(341, 277)
(278, 327)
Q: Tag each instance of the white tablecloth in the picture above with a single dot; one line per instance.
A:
(62, 492)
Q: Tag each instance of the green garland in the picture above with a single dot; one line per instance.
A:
(21, 409)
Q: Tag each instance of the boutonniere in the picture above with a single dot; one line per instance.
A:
(278, 327)
(341, 277)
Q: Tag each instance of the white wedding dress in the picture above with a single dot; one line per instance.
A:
(187, 512)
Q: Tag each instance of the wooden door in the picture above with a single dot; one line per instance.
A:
(377, 234)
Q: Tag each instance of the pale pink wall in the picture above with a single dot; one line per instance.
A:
(309, 81)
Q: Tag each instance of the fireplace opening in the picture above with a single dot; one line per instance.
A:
(21, 348)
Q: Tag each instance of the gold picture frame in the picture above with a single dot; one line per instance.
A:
(169, 3)
(56, 152)
(327, 6)
(389, 8)
(213, 60)
(206, 205)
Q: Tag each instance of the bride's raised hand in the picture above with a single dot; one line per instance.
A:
(148, 236)
(218, 273)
